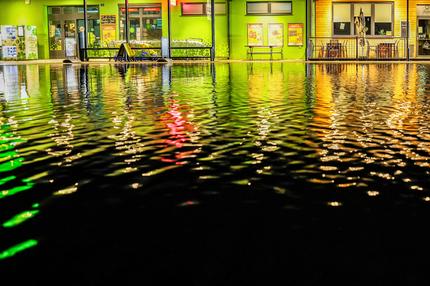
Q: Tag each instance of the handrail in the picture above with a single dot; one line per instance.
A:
(356, 48)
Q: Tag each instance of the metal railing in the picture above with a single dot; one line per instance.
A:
(180, 49)
(355, 48)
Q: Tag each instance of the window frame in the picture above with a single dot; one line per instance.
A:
(372, 25)
(269, 8)
(205, 9)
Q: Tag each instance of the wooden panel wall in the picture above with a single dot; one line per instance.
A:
(323, 13)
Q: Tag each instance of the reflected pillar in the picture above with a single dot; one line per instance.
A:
(86, 29)
(169, 52)
(213, 29)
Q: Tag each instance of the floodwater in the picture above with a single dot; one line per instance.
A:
(222, 174)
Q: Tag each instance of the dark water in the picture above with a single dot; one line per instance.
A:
(270, 174)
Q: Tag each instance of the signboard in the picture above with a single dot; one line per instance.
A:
(125, 52)
(108, 19)
(255, 35)
(276, 35)
(295, 34)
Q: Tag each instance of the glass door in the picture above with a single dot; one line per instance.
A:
(423, 37)
(70, 38)
(93, 31)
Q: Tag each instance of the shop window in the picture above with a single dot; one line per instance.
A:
(367, 13)
(269, 8)
(257, 8)
(54, 10)
(193, 9)
(383, 19)
(202, 9)
(280, 7)
(342, 19)
(69, 10)
(378, 18)
(220, 9)
(144, 23)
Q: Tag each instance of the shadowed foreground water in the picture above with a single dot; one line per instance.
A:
(226, 174)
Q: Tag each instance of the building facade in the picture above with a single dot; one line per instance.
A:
(239, 26)
(393, 29)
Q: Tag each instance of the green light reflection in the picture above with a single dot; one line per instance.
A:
(20, 218)
(7, 179)
(18, 248)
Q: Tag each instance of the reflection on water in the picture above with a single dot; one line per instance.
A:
(327, 135)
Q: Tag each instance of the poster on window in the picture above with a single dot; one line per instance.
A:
(255, 35)
(70, 47)
(108, 33)
(276, 35)
(31, 52)
(295, 34)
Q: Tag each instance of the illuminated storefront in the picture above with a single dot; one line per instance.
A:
(188, 28)
(334, 29)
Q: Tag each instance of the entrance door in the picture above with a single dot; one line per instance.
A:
(64, 24)
(70, 39)
(423, 36)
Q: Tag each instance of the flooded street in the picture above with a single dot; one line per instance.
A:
(215, 174)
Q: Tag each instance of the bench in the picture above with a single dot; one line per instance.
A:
(264, 50)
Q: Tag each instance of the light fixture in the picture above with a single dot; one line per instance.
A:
(173, 2)
(28, 2)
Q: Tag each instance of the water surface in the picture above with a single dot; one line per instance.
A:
(251, 172)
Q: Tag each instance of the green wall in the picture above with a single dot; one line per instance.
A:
(239, 22)
(199, 27)
(182, 27)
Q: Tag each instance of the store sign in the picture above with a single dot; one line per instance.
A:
(130, 10)
(108, 19)
(151, 9)
(423, 10)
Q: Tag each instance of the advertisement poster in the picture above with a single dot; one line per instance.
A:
(295, 34)
(8, 34)
(31, 52)
(2, 88)
(108, 33)
(108, 23)
(70, 47)
(276, 35)
(255, 35)
(9, 53)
